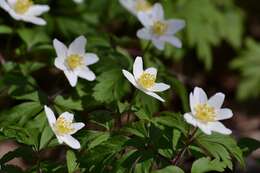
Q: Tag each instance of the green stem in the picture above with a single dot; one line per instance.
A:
(179, 155)
(147, 48)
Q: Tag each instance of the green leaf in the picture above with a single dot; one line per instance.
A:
(248, 145)
(68, 103)
(46, 136)
(71, 161)
(5, 29)
(100, 138)
(169, 169)
(111, 86)
(204, 164)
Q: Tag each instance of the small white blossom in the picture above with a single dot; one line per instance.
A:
(63, 127)
(144, 80)
(159, 30)
(78, 1)
(74, 61)
(136, 6)
(206, 113)
(25, 10)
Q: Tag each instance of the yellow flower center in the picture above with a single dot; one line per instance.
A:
(159, 28)
(146, 80)
(62, 126)
(205, 113)
(142, 6)
(74, 61)
(21, 6)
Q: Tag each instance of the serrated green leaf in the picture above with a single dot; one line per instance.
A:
(203, 165)
(169, 169)
(71, 161)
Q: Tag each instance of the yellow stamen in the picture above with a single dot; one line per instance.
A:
(146, 80)
(62, 126)
(205, 113)
(159, 28)
(142, 6)
(22, 6)
(74, 61)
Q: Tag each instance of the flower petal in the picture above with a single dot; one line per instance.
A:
(190, 119)
(223, 114)
(138, 67)
(130, 77)
(157, 12)
(192, 103)
(144, 33)
(50, 115)
(37, 10)
(72, 78)
(77, 127)
(219, 127)
(154, 95)
(159, 87)
(217, 100)
(174, 41)
(11, 2)
(67, 116)
(205, 128)
(159, 44)
(129, 5)
(145, 19)
(152, 71)
(60, 48)
(78, 46)
(5, 5)
(86, 73)
(90, 58)
(34, 20)
(60, 63)
(70, 141)
(199, 96)
(175, 25)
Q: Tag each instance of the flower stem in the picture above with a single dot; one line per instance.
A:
(179, 155)
(146, 48)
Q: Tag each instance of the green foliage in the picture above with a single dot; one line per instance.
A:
(169, 169)
(206, 165)
(248, 65)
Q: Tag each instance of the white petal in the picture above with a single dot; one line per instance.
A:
(145, 19)
(129, 5)
(130, 77)
(219, 127)
(60, 48)
(199, 96)
(70, 141)
(59, 139)
(157, 12)
(73, 78)
(217, 100)
(159, 87)
(152, 71)
(174, 41)
(190, 119)
(175, 25)
(37, 10)
(78, 46)
(159, 44)
(90, 58)
(50, 115)
(77, 127)
(11, 2)
(34, 20)
(86, 73)
(67, 116)
(154, 95)
(5, 5)
(192, 103)
(144, 33)
(138, 67)
(223, 114)
(60, 63)
(205, 128)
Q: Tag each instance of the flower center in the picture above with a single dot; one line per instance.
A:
(62, 126)
(74, 61)
(146, 80)
(159, 28)
(21, 6)
(142, 6)
(205, 113)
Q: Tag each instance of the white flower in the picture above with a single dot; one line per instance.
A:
(74, 61)
(136, 6)
(25, 10)
(63, 127)
(78, 1)
(206, 113)
(144, 80)
(159, 30)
